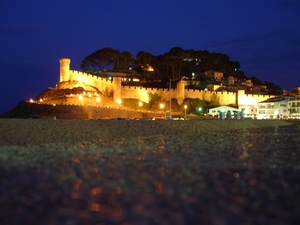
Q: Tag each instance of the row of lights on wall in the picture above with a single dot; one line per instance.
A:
(98, 100)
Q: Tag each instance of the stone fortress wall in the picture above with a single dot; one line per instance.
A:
(66, 74)
(136, 92)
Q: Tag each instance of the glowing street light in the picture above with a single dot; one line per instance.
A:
(163, 106)
(185, 106)
(200, 109)
(54, 114)
(80, 98)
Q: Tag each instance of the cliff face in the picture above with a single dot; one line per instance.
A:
(59, 93)
(68, 88)
(20, 111)
(27, 110)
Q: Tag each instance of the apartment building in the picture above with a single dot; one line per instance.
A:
(294, 107)
(274, 108)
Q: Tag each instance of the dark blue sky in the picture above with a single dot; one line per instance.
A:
(263, 35)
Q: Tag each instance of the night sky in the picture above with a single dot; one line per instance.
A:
(263, 35)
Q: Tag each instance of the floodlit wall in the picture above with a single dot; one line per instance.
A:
(141, 93)
(101, 83)
(66, 74)
(225, 98)
(117, 96)
(251, 99)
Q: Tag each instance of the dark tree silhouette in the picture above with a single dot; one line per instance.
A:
(174, 64)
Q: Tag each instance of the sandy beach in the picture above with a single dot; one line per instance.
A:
(36, 131)
(213, 172)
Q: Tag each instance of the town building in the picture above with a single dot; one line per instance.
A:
(294, 107)
(274, 108)
(248, 111)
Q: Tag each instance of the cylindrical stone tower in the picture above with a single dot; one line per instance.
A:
(180, 92)
(117, 89)
(239, 97)
(64, 69)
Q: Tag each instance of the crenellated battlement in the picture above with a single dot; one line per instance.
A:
(141, 93)
(85, 77)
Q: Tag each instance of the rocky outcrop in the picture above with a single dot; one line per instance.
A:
(47, 111)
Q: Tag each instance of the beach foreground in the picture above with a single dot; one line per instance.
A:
(36, 131)
(149, 172)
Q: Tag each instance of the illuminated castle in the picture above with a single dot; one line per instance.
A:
(95, 86)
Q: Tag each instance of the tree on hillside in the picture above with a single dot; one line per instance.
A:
(148, 66)
(207, 61)
(144, 61)
(127, 60)
(214, 100)
(272, 88)
(154, 98)
(174, 64)
(106, 56)
(98, 60)
(89, 64)
(256, 81)
(116, 59)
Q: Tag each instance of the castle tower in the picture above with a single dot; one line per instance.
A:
(64, 69)
(240, 97)
(117, 89)
(180, 92)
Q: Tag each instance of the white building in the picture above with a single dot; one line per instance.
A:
(215, 111)
(247, 110)
(273, 108)
(223, 112)
(294, 107)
